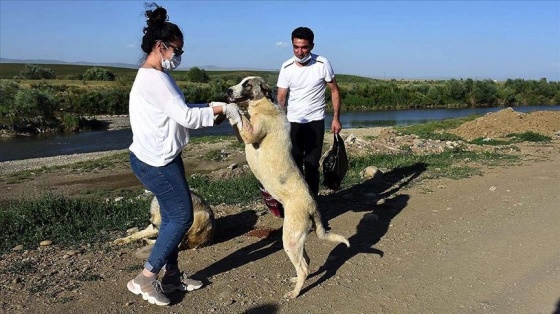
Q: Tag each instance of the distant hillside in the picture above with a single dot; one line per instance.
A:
(123, 65)
(43, 61)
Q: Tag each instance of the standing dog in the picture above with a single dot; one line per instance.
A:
(199, 235)
(266, 134)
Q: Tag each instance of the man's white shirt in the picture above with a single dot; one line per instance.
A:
(306, 85)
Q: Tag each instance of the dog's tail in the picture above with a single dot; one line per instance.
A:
(323, 235)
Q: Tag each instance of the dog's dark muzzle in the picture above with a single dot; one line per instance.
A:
(231, 99)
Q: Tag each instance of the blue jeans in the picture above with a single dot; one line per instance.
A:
(170, 187)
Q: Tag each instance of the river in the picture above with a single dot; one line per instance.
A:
(86, 142)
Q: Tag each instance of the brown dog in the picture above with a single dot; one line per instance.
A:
(199, 235)
(266, 134)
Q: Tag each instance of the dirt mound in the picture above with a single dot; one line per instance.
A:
(506, 121)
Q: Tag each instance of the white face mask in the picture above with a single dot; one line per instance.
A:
(171, 64)
(304, 59)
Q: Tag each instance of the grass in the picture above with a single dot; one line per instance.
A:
(67, 221)
(513, 138)
(75, 221)
(435, 130)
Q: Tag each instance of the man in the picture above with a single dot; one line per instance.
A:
(303, 80)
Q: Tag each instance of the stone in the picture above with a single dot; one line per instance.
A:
(370, 172)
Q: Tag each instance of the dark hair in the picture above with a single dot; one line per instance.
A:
(303, 33)
(158, 28)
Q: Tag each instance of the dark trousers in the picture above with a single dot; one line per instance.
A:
(307, 147)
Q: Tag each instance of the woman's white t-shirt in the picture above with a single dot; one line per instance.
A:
(307, 85)
(160, 118)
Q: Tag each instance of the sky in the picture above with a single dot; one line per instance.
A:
(381, 39)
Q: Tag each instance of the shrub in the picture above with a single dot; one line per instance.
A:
(35, 72)
(197, 75)
(98, 74)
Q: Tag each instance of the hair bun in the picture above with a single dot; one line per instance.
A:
(156, 16)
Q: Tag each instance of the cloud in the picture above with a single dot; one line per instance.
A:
(281, 44)
(130, 46)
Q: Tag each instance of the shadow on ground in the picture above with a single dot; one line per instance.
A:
(363, 197)
(379, 199)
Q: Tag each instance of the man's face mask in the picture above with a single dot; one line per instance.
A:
(304, 59)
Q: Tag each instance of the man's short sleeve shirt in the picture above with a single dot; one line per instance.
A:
(306, 85)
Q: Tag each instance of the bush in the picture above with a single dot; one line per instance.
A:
(98, 74)
(197, 75)
(35, 72)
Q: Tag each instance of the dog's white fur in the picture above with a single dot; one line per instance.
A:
(199, 235)
(266, 134)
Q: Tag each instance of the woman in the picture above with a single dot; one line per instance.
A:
(160, 119)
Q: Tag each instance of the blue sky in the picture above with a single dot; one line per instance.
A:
(391, 39)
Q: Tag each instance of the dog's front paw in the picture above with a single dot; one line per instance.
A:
(290, 295)
(121, 241)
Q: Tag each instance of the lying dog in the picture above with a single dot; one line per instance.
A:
(266, 134)
(199, 235)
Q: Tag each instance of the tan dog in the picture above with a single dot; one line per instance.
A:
(199, 235)
(266, 135)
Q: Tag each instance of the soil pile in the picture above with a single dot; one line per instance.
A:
(500, 124)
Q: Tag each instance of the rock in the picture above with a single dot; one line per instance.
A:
(18, 247)
(72, 252)
(46, 243)
(370, 172)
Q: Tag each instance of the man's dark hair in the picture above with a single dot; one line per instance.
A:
(303, 33)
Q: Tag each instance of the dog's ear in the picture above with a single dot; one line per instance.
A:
(272, 96)
(264, 87)
(266, 91)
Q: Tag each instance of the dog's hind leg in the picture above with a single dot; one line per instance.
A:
(307, 260)
(295, 248)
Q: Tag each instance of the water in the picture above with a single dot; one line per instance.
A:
(86, 142)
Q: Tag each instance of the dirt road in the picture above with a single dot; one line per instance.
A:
(485, 244)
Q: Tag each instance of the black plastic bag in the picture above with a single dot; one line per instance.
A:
(335, 164)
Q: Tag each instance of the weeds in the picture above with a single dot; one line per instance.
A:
(67, 221)
(529, 137)
(436, 130)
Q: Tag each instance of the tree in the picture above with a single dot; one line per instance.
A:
(197, 75)
(35, 72)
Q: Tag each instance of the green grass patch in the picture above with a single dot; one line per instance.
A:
(74, 221)
(209, 139)
(493, 142)
(216, 155)
(529, 137)
(435, 130)
(513, 138)
(450, 164)
(229, 191)
(106, 162)
(67, 221)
